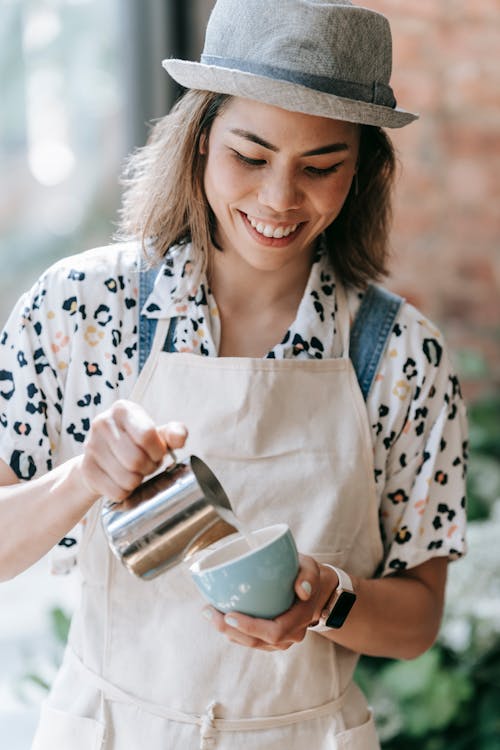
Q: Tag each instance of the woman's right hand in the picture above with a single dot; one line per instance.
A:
(123, 446)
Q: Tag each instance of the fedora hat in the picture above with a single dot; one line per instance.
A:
(331, 59)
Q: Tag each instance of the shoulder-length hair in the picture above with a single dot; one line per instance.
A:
(164, 202)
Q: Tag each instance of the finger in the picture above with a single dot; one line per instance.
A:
(134, 420)
(218, 620)
(174, 434)
(278, 634)
(222, 623)
(130, 456)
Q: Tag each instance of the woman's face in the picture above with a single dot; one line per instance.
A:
(275, 180)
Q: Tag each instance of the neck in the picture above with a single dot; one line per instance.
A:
(239, 287)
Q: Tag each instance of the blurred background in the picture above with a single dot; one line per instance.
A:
(80, 81)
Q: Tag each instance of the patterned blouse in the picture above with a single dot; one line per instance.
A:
(69, 349)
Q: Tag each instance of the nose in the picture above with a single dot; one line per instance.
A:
(279, 191)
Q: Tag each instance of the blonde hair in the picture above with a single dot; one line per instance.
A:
(164, 202)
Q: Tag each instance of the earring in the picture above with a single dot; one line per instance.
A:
(355, 184)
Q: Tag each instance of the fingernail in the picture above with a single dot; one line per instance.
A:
(207, 614)
(307, 587)
(231, 621)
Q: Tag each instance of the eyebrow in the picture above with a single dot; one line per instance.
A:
(328, 149)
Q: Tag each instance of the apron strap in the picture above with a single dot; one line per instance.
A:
(208, 723)
(370, 333)
(342, 319)
(368, 337)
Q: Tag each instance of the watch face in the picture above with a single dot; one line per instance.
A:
(342, 607)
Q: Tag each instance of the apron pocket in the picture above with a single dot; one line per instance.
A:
(58, 730)
(337, 559)
(363, 737)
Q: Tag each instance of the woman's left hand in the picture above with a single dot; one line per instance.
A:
(313, 587)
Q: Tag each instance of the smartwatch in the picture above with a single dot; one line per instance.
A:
(338, 606)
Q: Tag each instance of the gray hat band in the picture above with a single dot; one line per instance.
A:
(376, 93)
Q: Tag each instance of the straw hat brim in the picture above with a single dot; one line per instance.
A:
(291, 96)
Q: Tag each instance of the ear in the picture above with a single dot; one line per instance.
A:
(203, 144)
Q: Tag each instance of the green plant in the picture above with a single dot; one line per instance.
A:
(483, 483)
(440, 701)
(35, 683)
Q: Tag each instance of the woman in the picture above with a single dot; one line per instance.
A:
(263, 204)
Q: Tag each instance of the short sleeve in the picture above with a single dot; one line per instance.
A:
(67, 352)
(30, 392)
(420, 447)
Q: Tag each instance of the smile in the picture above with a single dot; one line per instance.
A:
(267, 230)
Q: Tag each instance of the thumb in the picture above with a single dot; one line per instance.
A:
(307, 580)
(174, 434)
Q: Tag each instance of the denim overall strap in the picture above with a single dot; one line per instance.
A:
(147, 326)
(370, 333)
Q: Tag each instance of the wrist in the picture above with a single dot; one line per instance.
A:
(331, 581)
(339, 603)
(73, 484)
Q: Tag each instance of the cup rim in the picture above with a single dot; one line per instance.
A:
(198, 566)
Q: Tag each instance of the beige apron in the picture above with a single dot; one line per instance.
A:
(290, 442)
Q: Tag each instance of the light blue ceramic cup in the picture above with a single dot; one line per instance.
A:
(257, 581)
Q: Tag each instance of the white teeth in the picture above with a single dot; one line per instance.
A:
(268, 231)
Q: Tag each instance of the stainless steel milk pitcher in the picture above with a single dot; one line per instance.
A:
(167, 519)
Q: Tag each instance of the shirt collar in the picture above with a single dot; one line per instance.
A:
(312, 335)
(172, 293)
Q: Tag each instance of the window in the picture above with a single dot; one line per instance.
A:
(61, 133)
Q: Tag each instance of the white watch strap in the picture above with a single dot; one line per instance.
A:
(344, 584)
(344, 580)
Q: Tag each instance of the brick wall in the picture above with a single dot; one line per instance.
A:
(447, 213)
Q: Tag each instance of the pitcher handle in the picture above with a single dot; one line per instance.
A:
(172, 455)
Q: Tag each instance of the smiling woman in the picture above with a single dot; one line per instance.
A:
(238, 320)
